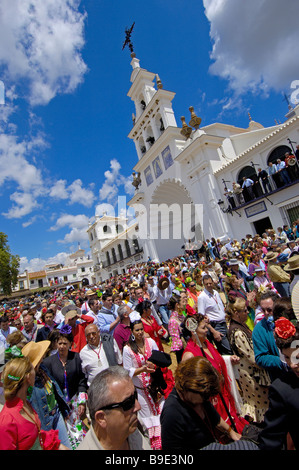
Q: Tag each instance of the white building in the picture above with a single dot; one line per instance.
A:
(114, 246)
(77, 268)
(184, 171)
(181, 177)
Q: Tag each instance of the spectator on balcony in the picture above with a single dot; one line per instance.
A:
(264, 179)
(247, 187)
(291, 165)
(282, 170)
(230, 198)
(272, 172)
(238, 193)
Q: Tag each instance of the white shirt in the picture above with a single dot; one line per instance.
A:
(4, 334)
(94, 360)
(163, 296)
(211, 305)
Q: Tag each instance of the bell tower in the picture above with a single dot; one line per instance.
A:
(153, 107)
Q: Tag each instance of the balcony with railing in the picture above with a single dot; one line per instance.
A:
(117, 259)
(259, 190)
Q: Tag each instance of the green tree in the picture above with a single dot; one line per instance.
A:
(9, 266)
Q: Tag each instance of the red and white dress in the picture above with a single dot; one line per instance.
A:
(150, 412)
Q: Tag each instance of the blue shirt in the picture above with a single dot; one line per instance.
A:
(104, 320)
(265, 350)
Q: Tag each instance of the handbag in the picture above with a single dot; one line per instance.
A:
(251, 433)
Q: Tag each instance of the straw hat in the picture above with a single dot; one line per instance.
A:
(295, 299)
(90, 292)
(271, 256)
(233, 262)
(258, 269)
(134, 284)
(163, 283)
(71, 314)
(35, 351)
(293, 263)
(71, 308)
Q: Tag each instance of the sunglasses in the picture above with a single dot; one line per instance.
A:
(126, 405)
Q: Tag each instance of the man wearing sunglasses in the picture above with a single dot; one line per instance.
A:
(113, 408)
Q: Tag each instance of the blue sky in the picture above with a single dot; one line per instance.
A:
(66, 116)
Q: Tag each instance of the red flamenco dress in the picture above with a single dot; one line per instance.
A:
(218, 363)
(17, 433)
(152, 329)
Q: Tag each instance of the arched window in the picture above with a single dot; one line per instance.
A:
(135, 245)
(120, 251)
(114, 255)
(278, 153)
(248, 172)
(128, 249)
(106, 229)
(119, 228)
(108, 257)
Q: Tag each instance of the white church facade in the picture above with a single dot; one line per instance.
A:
(184, 175)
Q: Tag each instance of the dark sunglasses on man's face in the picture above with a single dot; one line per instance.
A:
(126, 405)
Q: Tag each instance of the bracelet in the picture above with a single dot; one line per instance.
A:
(229, 430)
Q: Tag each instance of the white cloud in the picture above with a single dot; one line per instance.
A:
(254, 43)
(14, 164)
(24, 204)
(80, 195)
(41, 42)
(38, 264)
(78, 225)
(113, 180)
(58, 190)
(68, 220)
(75, 192)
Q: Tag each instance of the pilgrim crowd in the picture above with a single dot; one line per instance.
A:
(195, 353)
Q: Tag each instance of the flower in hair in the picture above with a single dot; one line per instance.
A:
(134, 316)
(12, 352)
(284, 328)
(190, 310)
(66, 330)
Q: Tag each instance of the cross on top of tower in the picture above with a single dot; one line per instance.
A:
(128, 41)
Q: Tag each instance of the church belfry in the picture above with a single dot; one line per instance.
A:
(153, 107)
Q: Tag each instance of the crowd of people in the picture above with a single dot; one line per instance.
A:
(198, 351)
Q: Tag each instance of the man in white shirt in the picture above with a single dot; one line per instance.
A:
(100, 352)
(248, 186)
(210, 304)
(163, 292)
(5, 330)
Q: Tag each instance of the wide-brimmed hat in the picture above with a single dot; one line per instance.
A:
(35, 351)
(71, 308)
(71, 314)
(295, 300)
(271, 256)
(90, 292)
(258, 269)
(163, 283)
(134, 284)
(233, 262)
(293, 263)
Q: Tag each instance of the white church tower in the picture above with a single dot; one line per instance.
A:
(174, 188)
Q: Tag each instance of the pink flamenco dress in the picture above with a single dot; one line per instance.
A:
(153, 331)
(218, 363)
